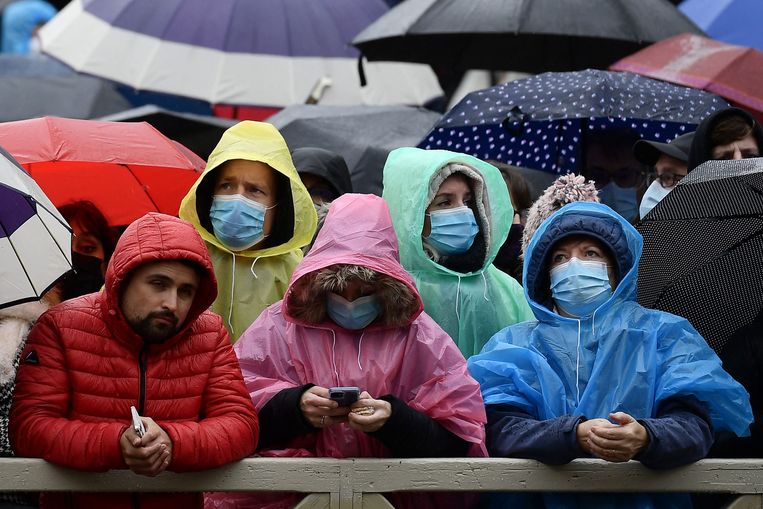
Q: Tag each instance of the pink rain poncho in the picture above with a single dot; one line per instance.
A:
(418, 363)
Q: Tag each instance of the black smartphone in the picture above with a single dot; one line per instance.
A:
(345, 396)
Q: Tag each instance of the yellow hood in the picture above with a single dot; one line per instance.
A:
(256, 141)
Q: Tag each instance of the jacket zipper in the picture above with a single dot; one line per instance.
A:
(142, 362)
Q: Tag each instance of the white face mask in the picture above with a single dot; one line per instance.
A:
(652, 197)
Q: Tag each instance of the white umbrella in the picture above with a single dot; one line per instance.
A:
(241, 52)
(35, 241)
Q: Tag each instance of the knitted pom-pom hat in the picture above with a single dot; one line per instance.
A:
(566, 189)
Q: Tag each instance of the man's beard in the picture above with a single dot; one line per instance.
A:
(155, 332)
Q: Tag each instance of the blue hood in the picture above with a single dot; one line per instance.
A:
(588, 218)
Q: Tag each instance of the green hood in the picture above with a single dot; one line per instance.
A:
(472, 306)
(248, 281)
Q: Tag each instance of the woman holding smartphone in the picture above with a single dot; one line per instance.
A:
(352, 318)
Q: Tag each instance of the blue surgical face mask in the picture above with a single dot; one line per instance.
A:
(580, 287)
(452, 230)
(237, 221)
(652, 197)
(622, 200)
(354, 315)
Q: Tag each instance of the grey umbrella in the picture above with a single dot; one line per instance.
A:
(200, 133)
(363, 135)
(72, 96)
(521, 35)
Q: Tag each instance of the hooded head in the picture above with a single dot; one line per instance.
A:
(290, 220)
(622, 242)
(720, 129)
(412, 179)
(357, 245)
(323, 172)
(158, 238)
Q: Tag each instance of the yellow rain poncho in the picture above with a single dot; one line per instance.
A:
(250, 280)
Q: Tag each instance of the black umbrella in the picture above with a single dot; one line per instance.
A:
(703, 246)
(521, 35)
(363, 135)
(200, 133)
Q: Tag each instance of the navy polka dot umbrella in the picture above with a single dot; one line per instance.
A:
(702, 249)
(539, 122)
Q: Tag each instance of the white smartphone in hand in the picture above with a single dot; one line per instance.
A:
(137, 424)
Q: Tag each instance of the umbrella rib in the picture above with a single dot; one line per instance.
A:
(142, 186)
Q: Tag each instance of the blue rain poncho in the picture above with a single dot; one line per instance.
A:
(622, 358)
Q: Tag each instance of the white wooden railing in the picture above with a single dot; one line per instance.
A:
(356, 483)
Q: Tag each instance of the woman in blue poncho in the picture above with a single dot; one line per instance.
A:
(597, 375)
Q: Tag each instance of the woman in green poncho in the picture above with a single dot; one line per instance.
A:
(451, 214)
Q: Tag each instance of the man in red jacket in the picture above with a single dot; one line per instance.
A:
(146, 340)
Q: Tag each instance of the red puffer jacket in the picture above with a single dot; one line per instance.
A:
(83, 366)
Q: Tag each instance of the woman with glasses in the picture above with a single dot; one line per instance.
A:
(669, 163)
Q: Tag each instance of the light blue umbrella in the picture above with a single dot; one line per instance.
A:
(732, 21)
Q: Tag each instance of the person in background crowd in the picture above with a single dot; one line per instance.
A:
(619, 177)
(323, 172)
(566, 189)
(92, 235)
(452, 214)
(255, 216)
(21, 21)
(508, 258)
(352, 317)
(670, 164)
(148, 340)
(596, 374)
(731, 133)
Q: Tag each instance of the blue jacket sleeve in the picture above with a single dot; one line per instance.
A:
(514, 433)
(681, 433)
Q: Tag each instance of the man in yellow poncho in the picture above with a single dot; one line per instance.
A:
(254, 214)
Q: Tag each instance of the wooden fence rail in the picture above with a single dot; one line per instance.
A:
(344, 484)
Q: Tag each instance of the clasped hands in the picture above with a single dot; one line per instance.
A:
(150, 454)
(618, 442)
(367, 414)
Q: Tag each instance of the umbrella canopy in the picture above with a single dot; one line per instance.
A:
(539, 122)
(248, 52)
(71, 96)
(200, 133)
(732, 72)
(126, 169)
(520, 35)
(35, 241)
(363, 135)
(731, 21)
(702, 249)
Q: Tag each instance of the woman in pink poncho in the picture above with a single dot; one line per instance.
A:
(353, 317)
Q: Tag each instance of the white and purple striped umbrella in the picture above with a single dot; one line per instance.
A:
(35, 241)
(242, 52)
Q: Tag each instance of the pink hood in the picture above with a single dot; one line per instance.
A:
(417, 363)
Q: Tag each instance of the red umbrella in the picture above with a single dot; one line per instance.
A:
(733, 72)
(126, 169)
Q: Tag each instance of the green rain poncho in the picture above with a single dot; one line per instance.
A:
(248, 281)
(471, 306)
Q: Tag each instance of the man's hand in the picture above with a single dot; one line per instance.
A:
(584, 429)
(148, 455)
(369, 414)
(620, 442)
(320, 411)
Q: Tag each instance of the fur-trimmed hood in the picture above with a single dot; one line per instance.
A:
(357, 241)
(15, 323)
